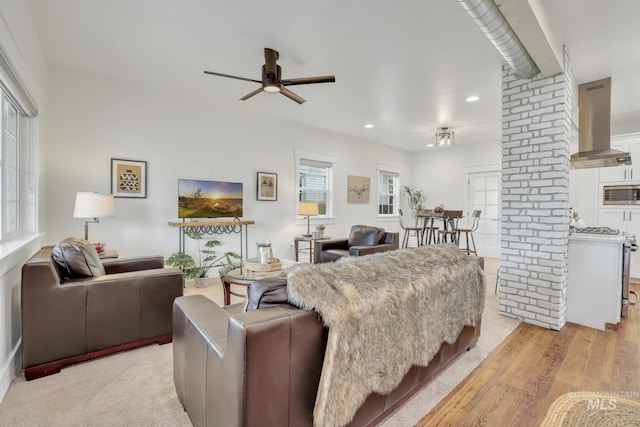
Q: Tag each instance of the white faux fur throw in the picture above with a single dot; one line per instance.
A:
(385, 313)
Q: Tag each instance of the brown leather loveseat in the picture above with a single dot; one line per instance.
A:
(68, 320)
(362, 240)
(262, 367)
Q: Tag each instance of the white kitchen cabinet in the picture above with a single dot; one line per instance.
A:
(627, 220)
(628, 173)
(594, 289)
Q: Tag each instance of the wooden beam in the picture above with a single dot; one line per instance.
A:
(529, 21)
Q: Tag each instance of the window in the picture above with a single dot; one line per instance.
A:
(10, 168)
(388, 197)
(18, 156)
(314, 184)
(315, 173)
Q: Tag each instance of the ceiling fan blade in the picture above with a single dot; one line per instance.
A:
(286, 92)
(255, 92)
(231, 77)
(308, 80)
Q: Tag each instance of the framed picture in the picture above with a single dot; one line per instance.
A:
(267, 186)
(359, 189)
(129, 178)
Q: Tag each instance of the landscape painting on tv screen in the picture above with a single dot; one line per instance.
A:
(209, 199)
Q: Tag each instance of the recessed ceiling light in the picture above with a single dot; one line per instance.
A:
(368, 126)
(473, 98)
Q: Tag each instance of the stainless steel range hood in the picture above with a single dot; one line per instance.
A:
(594, 128)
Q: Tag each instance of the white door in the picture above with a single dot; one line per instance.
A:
(483, 193)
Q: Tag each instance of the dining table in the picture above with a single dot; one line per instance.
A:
(429, 217)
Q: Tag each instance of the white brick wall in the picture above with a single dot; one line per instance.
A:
(536, 120)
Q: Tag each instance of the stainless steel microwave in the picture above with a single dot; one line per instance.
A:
(621, 195)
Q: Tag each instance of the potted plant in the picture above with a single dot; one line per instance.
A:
(208, 258)
(319, 231)
(415, 198)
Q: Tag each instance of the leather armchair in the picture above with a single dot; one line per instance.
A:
(362, 240)
(65, 321)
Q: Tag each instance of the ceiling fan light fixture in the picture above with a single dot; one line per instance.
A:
(444, 137)
(273, 88)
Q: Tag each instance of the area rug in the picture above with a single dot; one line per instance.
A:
(588, 409)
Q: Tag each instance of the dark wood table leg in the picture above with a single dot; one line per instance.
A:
(226, 286)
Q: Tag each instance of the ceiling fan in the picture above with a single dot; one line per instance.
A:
(272, 81)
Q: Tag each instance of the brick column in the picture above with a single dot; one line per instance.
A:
(536, 126)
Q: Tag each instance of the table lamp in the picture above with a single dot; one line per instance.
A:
(93, 205)
(307, 209)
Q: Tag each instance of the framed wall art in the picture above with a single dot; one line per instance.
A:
(359, 189)
(129, 178)
(267, 186)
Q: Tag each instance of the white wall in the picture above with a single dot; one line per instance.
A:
(93, 120)
(441, 171)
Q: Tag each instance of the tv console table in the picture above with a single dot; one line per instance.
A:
(212, 228)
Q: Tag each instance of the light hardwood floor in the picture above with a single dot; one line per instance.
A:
(518, 381)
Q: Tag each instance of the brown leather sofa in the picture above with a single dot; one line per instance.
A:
(262, 368)
(362, 240)
(68, 320)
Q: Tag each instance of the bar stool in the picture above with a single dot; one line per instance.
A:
(450, 219)
(407, 233)
(469, 231)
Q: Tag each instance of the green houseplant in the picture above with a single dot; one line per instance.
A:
(415, 199)
(319, 231)
(207, 259)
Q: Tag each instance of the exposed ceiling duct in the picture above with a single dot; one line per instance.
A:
(493, 24)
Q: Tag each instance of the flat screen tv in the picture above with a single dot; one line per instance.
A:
(209, 199)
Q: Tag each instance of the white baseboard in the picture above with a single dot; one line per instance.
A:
(11, 367)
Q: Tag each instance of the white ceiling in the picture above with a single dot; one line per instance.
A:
(406, 66)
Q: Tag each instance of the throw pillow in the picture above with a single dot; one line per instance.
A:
(364, 235)
(77, 258)
(267, 292)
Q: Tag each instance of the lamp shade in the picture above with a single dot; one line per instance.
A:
(308, 209)
(93, 205)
